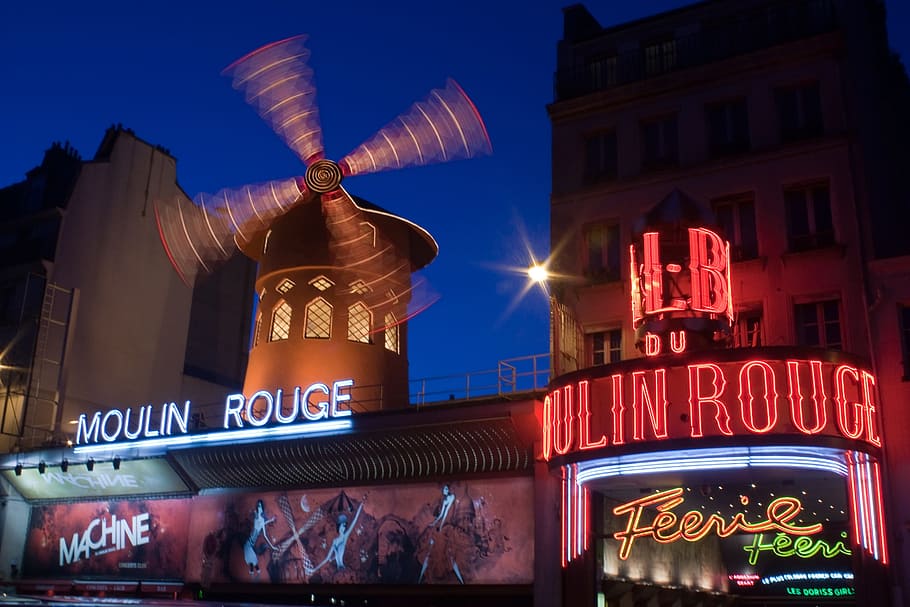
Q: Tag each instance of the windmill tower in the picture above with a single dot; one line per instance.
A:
(335, 286)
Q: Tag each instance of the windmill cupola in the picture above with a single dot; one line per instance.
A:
(330, 310)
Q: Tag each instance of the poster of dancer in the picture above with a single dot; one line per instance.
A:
(460, 532)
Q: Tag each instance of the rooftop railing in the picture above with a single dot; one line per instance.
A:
(512, 377)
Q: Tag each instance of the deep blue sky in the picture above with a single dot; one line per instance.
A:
(71, 69)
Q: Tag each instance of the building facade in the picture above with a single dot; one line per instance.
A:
(87, 286)
(765, 124)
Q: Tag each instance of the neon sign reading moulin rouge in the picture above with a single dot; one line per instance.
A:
(755, 397)
(262, 408)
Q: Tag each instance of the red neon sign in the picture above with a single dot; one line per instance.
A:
(659, 289)
(734, 398)
(667, 527)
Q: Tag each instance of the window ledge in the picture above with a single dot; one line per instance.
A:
(833, 250)
(761, 260)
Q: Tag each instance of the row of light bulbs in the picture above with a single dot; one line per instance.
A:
(64, 466)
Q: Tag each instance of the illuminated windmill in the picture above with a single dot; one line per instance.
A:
(335, 273)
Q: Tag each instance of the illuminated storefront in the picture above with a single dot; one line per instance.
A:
(357, 506)
(705, 469)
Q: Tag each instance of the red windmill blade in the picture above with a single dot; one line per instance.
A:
(199, 234)
(278, 82)
(445, 126)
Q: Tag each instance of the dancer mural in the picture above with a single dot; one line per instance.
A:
(470, 533)
(250, 550)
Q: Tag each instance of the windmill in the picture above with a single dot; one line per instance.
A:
(335, 272)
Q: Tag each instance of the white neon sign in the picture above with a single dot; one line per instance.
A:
(260, 416)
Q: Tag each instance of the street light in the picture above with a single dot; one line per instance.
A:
(538, 273)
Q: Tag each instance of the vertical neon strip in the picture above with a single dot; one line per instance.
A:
(877, 482)
(863, 507)
(565, 514)
(583, 507)
(586, 496)
(854, 503)
(573, 516)
(874, 531)
(579, 510)
(730, 316)
(570, 516)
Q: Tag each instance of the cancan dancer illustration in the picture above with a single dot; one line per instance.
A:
(339, 544)
(250, 551)
(444, 548)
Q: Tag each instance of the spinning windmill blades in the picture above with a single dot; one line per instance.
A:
(278, 82)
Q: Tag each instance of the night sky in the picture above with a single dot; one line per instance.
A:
(71, 69)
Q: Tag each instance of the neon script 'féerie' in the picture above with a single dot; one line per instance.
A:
(667, 527)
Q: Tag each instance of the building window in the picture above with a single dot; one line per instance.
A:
(799, 110)
(285, 285)
(728, 127)
(600, 157)
(601, 72)
(257, 329)
(281, 322)
(358, 287)
(659, 143)
(660, 57)
(606, 347)
(602, 250)
(736, 218)
(318, 319)
(818, 324)
(360, 321)
(905, 339)
(321, 283)
(809, 223)
(369, 232)
(747, 330)
(391, 333)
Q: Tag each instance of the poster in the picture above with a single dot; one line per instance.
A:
(135, 539)
(462, 532)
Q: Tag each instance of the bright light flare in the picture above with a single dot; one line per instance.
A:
(538, 273)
